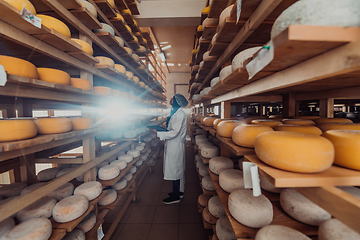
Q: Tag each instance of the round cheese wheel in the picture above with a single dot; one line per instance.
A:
(199, 164)
(251, 211)
(136, 79)
(196, 97)
(56, 24)
(339, 126)
(318, 13)
(319, 121)
(120, 68)
(224, 230)
(104, 91)
(214, 38)
(219, 120)
(112, 3)
(244, 135)
(30, 188)
(205, 10)
(133, 169)
(203, 170)
(226, 71)
(81, 83)
(17, 129)
(106, 61)
(278, 232)
(13, 189)
(128, 50)
(119, 17)
(204, 199)
(135, 153)
(105, 28)
(128, 176)
(88, 7)
(268, 186)
(299, 128)
(129, 74)
(266, 122)
(215, 207)
(126, 11)
(19, 67)
(142, 49)
(333, 229)
(42, 208)
(126, 157)
(54, 76)
(120, 41)
(76, 234)
(19, 4)
(63, 171)
(286, 150)
(301, 208)
(224, 14)
(138, 163)
(352, 190)
(298, 122)
(6, 225)
(205, 144)
(87, 223)
(70, 208)
(62, 192)
(207, 183)
(210, 22)
(119, 185)
(209, 151)
(53, 125)
(199, 28)
(240, 58)
(214, 81)
(347, 147)
(135, 57)
(307, 117)
(81, 123)
(90, 190)
(219, 164)
(140, 147)
(225, 128)
(33, 229)
(231, 180)
(86, 47)
(109, 172)
(208, 121)
(120, 163)
(201, 140)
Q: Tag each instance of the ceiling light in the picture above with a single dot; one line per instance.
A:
(162, 56)
(166, 47)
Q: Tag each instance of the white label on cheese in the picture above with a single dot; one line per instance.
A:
(238, 10)
(251, 178)
(262, 59)
(30, 17)
(3, 78)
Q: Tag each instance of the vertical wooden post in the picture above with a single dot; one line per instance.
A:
(225, 109)
(288, 105)
(89, 154)
(326, 107)
(261, 110)
(297, 108)
(27, 169)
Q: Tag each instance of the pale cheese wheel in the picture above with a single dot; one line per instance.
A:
(87, 223)
(137, 164)
(210, 22)
(140, 147)
(299, 122)
(201, 140)
(266, 122)
(201, 145)
(244, 135)
(208, 121)
(347, 147)
(333, 229)
(231, 180)
(278, 232)
(219, 120)
(120, 41)
(135, 57)
(196, 97)
(56, 24)
(88, 7)
(42, 208)
(203, 170)
(19, 67)
(119, 185)
(126, 157)
(53, 125)
(286, 150)
(207, 183)
(104, 91)
(136, 79)
(30, 188)
(106, 61)
(135, 153)
(224, 14)
(86, 47)
(120, 68)
(225, 72)
(129, 74)
(120, 163)
(81, 123)
(219, 164)
(199, 164)
(128, 50)
(108, 172)
(33, 229)
(299, 128)
(210, 151)
(81, 83)
(204, 199)
(6, 200)
(19, 4)
(63, 171)
(200, 136)
(142, 49)
(319, 121)
(76, 234)
(105, 28)
(62, 192)
(215, 207)
(214, 81)
(6, 225)
(224, 230)
(301, 208)
(90, 190)
(240, 58)
(225, 128)
(214, 38)
(12, 190)
(128, 176)
(339, 126)
(268, 186)
(254, 212)
(319, 13)
(54, 76)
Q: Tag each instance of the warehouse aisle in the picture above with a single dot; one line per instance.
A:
(151, 219)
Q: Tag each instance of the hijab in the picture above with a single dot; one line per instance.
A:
(174, 108)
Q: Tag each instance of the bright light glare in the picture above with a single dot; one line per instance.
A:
(164, 42)
(171, 64)
(166, 47)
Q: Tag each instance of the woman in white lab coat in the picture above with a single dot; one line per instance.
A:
(174, 151)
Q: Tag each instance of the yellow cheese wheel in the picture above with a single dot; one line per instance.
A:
(128, 28)
(266, 122)
(129, 74)
(194, 51)
(126, 11)
(339, 126)
(120, 68)
(17, 129)
(56, 24)
(136, 79)
(81, 123)
(54, 76)
(142, 84)
(332, 120)
(112, 3)
(142, 67)
(53, 125)
(205, 10)
(19, 67)
(347, 147)
(299, 128)
(307, 117)
(208, 121)
(105, 61)
(298, 122)
(116, 93)
(217, 121)
(18, 4)
(88, 7)
(119, 17)
(199, 28)
(84, 46)
(128, 50)
(135, 57)
(81, 83)
(105, 91)
(120, 41)
(225, 128)
(295, 152)
(135, 39)
(142, 49)
(244, 135)
(144, 40)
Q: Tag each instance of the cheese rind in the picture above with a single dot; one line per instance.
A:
(224, 230)
(120, 163)
(204, 199)
(62, 192)
(88, 7)
(208, 121)
(6, 225)
(106, 61)
(17, 129)
(90, 190)
(53, 125)
(215, 207)
(278, 232)
(299, 128)
(19, 67)
(76, 234)
(84, 45)
(70, 208)
(12, 190)
(19, 4)
(56, 24)
(219, 164)
(119, 185)
(108, 172)
(225, 128)
(42, 208)
(81, 123)
(105, 28)
(207, 183)
(87, 223)
(319, 121)
(104, 91)
(81, 83)
(339, 126)
(244, 135)
(333, 229)
(209, 151)
(305, 122)
(31, 187)
(241, 57)
(109, 197)
(231, 180)
(54, 76)
(33, 229)
(266, 122)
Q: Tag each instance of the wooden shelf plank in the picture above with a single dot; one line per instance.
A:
(57, 234)
(334, 176)
(216, 7)
(209, 31)
(107, 69)
(217, 48)
(204, 45)
(86, 18)
(237, 150)
(40, 6)
(119, 25)
(111, 205)
(106, 8)
(134, 45)
(84, 56)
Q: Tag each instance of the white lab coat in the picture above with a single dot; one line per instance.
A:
(174, 150)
